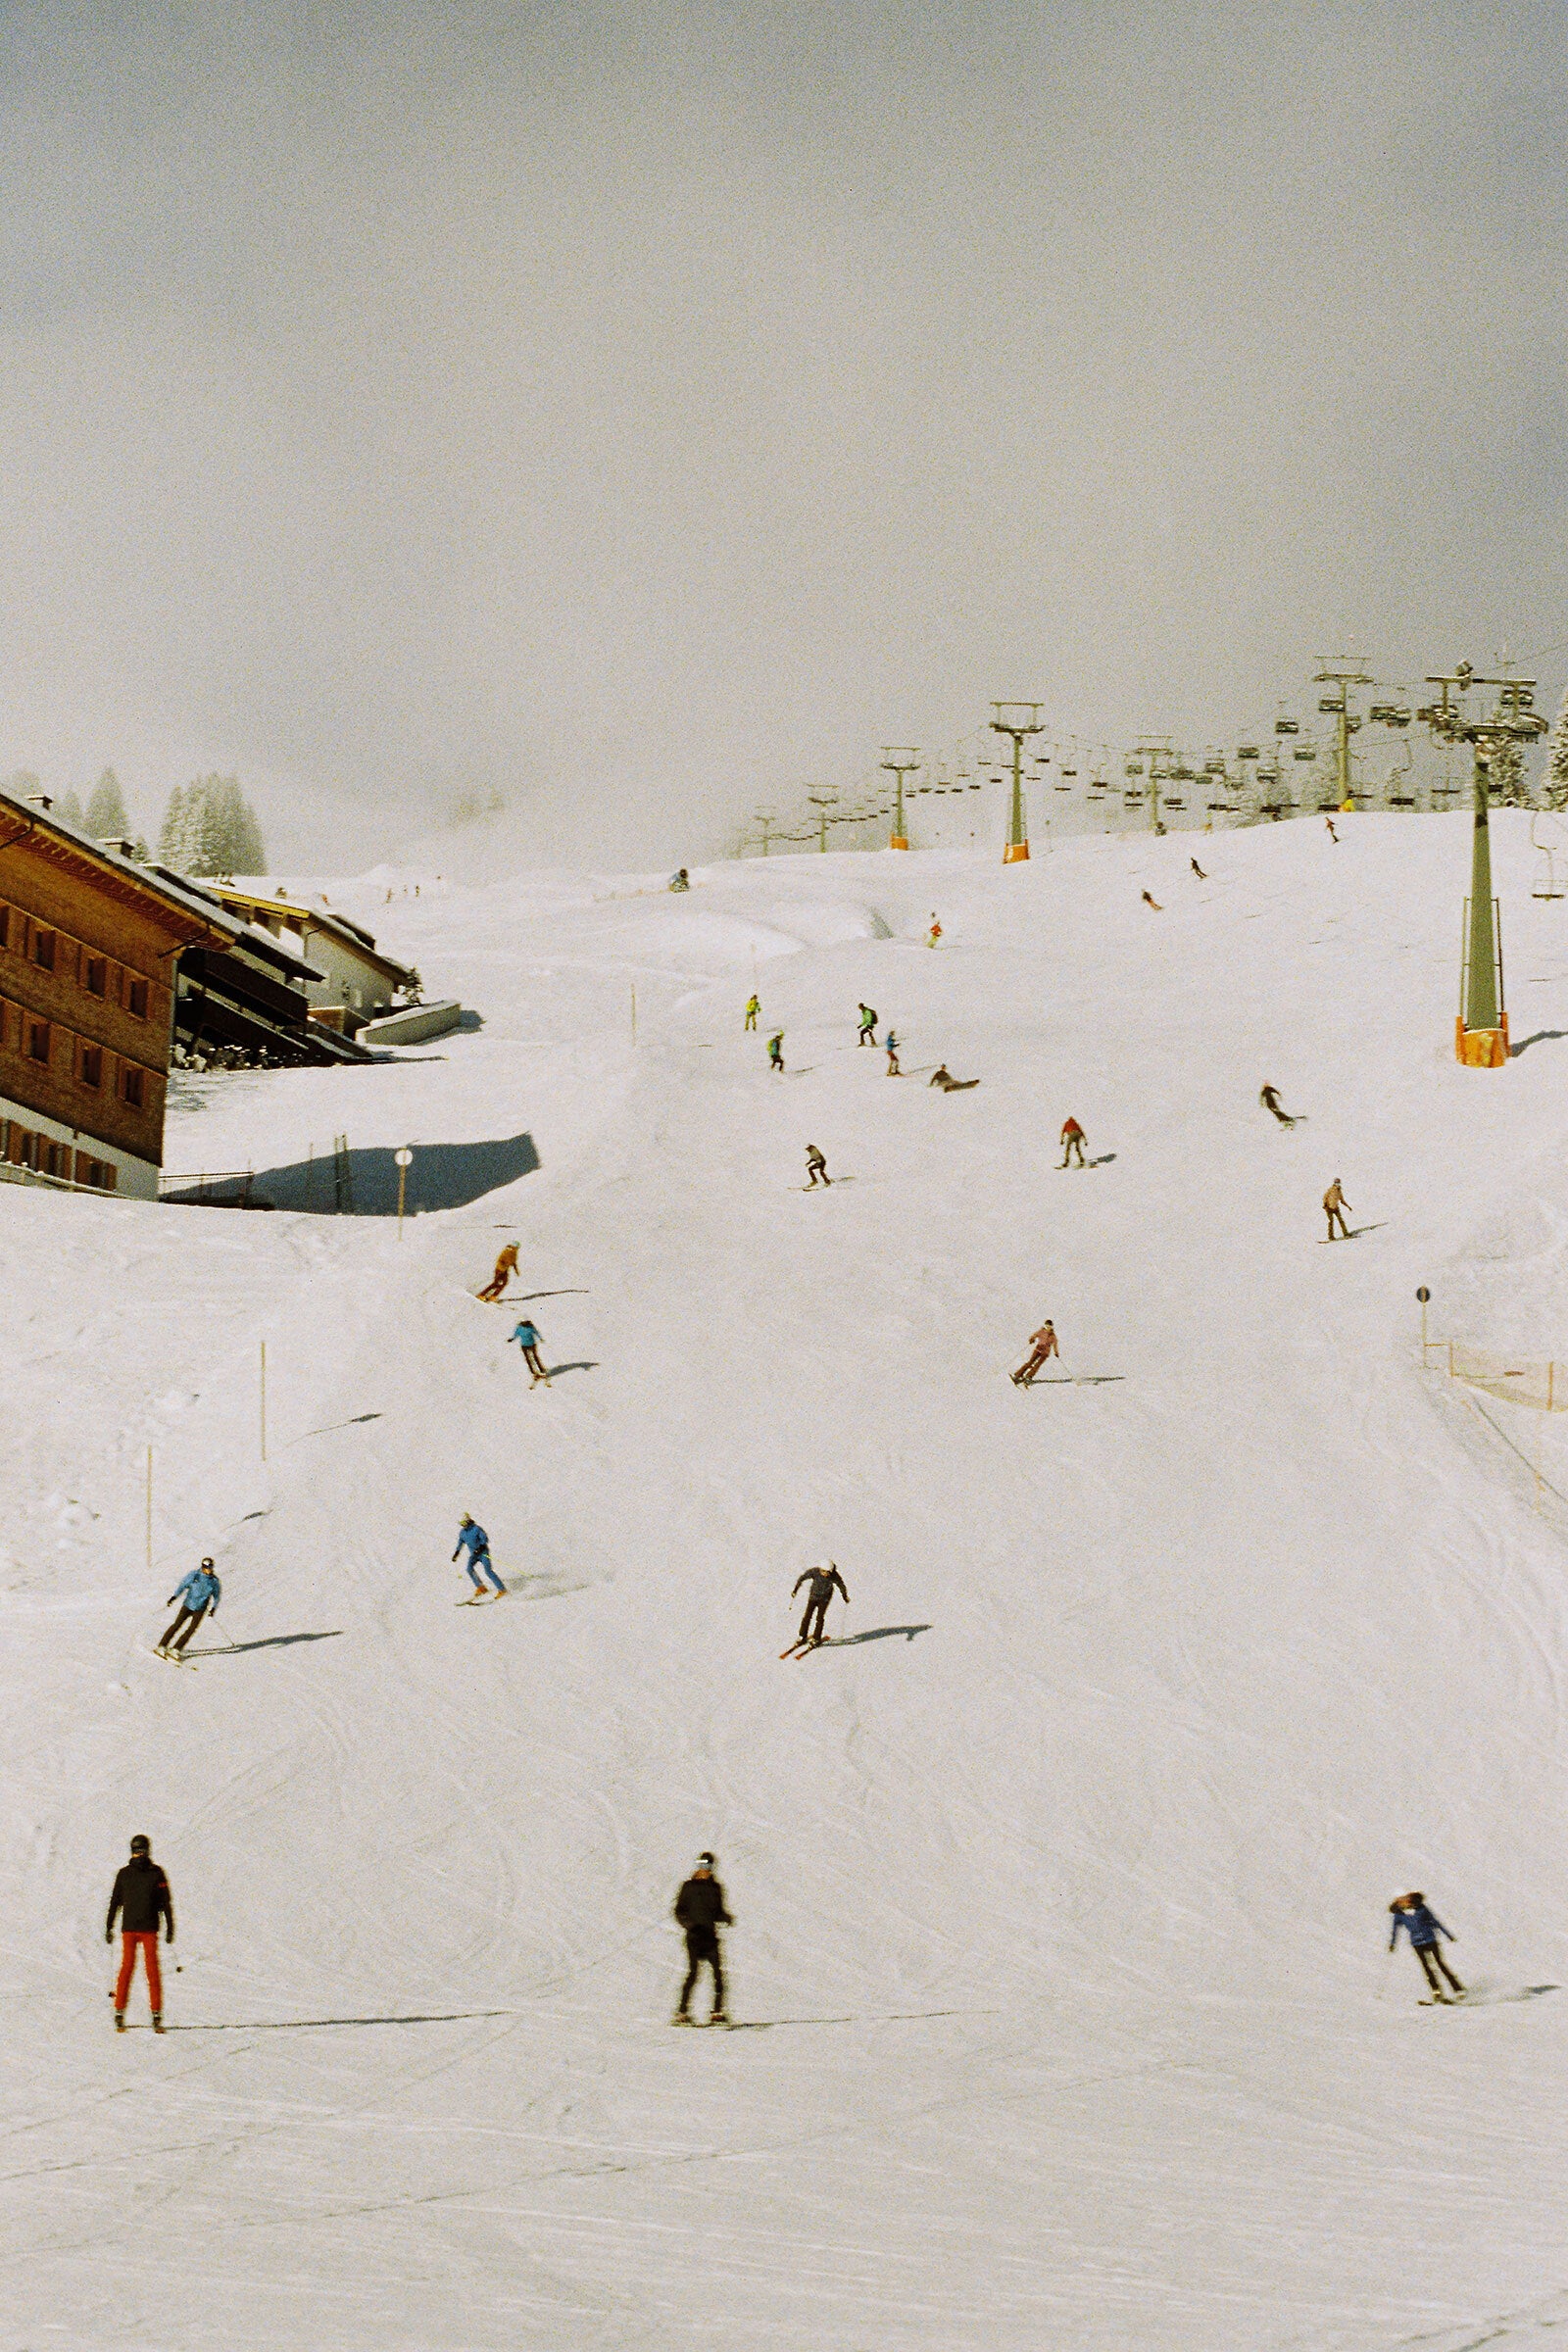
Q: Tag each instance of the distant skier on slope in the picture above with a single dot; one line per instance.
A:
(754, 1006)
(1423, 1927)
(775, 1052)
(472, 1540)
(824, 1582)
(678, 880)
(815, 1167)
(196, 1593)
(1335, 1206)
(1153, 901)
(701, 1910)
(1197, 869)
(1333, 836)
(891, 1047)
(1269, 1096)
(1073, 1139)
(942, 1076)
(1043, 1345)
(867, 1036)
(141, 1898)
(934, 934)
(530, 1339)
(505, 1264)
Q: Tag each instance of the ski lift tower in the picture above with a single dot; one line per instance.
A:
(1337, 706)
(900, 759)
(1481, 1032)
(1156, 753)
(1018, 720)
(822, 801)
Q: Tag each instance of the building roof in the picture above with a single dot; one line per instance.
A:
(317, 919)
(173, 889)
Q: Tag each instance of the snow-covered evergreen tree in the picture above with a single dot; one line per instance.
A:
(211, 828)
(1508, 785)
(1555, 784)
(106, 818)
(69, 808)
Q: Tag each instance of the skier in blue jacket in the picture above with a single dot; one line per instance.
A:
(195, 1593)
(1423, 1927)
(472, 1540)
(530, 1339)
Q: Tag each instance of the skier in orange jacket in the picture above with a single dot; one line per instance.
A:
(506, 1264)
(1073, 1139)
(1043, 1344)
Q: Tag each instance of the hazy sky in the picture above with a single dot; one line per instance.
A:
(646, 410)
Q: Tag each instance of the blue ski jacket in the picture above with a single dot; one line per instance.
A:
(473, 1541)
(197, 1588)
(1423, 1927)
(525, 1336)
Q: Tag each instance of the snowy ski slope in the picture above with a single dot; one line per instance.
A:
(1061, 1887)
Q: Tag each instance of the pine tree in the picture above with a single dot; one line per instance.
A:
(1555, 784)
(106, 818)
(1508, 785)
(69, 808)
(171, 838)
(211, 830)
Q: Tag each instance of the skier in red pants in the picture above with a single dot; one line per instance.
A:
(142, 1898)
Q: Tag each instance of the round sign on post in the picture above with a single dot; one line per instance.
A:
(1423, 1294)
(404, 1158)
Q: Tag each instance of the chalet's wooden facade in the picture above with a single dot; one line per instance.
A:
(89, 948)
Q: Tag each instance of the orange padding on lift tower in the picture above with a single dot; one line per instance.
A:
(1012, 851)
(1481, 1048)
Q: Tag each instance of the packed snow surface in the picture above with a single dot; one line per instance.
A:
(1061, 1882)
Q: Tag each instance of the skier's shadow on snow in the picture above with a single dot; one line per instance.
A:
(587, 1365)
(877, 1633)
(330, 1428)
(1104, 1161)
(305, 2025)
(233, 1649)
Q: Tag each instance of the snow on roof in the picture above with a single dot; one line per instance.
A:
(176, 889)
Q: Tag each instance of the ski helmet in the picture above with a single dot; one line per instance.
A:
(207, 1563)
(141, 1845)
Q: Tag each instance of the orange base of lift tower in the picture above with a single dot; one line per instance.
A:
(897, 842)
(1012, 851)
(1481, 1048)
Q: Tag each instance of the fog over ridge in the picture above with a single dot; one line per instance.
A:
(643, 412)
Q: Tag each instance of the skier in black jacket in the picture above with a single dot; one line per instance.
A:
(701, 1909)
(823, 1582)
(142, 1898)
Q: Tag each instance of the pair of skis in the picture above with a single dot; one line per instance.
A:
(476, 1600)
(802, 1649)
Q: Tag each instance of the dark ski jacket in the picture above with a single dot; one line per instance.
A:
(701, 1904)
(821, 1582)
(141, 1897)
(1423, 1927)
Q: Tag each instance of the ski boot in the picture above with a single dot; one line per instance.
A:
(119, 2021)
(158, 2021)
(680, 2018)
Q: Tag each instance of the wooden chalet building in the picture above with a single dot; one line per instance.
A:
(89, 947)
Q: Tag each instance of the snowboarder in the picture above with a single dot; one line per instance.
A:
(1335, 1204)
(678, 880)
(141, 1898)
(775, 1052)
(505, 1264)
(1073, 1139)
(1197, 869)
(529, 1339)
(1333, 836)
(823, 1582)
(472, 1540)
(891, 1046)
(196, 1593)
(1423, 1927)
(934, 934)
(701, 1910)
(867, 1036)
(1269, 1096)
(815, 1166)
(1153, 901)
(754, 1006)
(942, 1076)
(1044, 1344)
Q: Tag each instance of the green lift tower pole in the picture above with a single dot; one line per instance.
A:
(1018, 720)
(1481, 1032)
(900, 759)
